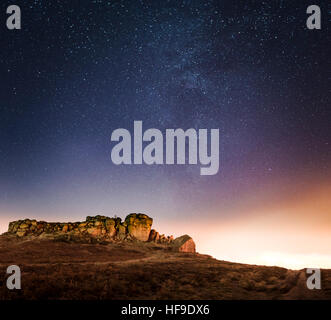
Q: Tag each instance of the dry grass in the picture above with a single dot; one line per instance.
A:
(59, 270)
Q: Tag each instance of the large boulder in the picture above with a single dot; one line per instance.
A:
(139, 226)
(184, 244)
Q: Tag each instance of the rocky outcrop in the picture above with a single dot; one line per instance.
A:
(156, 237)
(184, 244)
(139, 225)
(136, 226)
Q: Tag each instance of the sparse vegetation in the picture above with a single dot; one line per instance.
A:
(67, 270)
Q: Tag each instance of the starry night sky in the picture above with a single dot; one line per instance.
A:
(80, 69)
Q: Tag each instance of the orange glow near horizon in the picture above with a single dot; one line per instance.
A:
(294, 233)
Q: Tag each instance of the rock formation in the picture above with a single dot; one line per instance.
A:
(139, 225)
(184, 244)
(136, 226)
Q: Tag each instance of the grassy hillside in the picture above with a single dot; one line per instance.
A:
(135, 270)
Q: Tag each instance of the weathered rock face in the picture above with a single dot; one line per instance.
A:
(153, 235)
(139, 225)
(136, 226)
(184, 244)
(97, 226)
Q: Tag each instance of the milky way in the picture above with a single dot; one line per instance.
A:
(80, 69)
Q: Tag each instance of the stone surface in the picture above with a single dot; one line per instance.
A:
(135, 227)
(184, 244)
(139, 225)
(152, 235)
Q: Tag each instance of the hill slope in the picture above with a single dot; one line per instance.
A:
(137, 270)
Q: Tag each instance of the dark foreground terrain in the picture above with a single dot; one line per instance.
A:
(62, 270)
